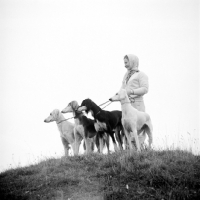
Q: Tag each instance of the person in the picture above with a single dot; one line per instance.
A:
(135, 82)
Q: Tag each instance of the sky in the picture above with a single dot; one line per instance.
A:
(53, 52)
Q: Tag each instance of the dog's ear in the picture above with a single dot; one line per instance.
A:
(74, 105)
(84, 102)
(55, 113)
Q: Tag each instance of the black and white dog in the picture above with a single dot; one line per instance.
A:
(107, 121)
(86, 127)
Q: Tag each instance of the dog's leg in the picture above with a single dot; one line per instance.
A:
(84, 146)
(142, 138)
(135, 136)
(74, 147)
(88, 145)
(111, 133)
(126, 146)
(128, 138)
(66, 152)
(101, 137)
(97, 142)
(77, 141)
(106, 139)
(124, 139)
(66, 146)
(101, 143)
(114, 142)
(92, 144)
(118, 137)
(149, 133)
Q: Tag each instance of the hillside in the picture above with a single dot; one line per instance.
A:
(148, 175)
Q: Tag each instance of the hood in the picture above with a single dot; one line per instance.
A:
(134, 61)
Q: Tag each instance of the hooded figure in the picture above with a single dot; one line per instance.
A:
(135, 82)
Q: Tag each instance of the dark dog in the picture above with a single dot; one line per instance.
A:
(108, 121)
(86, 127)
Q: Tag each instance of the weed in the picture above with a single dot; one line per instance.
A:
(164, 174)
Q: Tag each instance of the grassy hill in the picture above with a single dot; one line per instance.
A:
(147, 175)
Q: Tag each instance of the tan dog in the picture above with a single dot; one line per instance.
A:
(66, 130)
(133, 121)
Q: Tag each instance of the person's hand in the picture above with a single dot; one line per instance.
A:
(129, 91)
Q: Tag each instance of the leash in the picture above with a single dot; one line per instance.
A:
(65, 120)
(111, 102)
(104, 103)
(99, 105)
(104, 106)
(107, 104)
(70, 118)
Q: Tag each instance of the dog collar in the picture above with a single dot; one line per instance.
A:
(98, 112)
(126, 102)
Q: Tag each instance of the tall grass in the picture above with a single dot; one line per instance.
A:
(185, 142)
(169, 171)
(155, 174)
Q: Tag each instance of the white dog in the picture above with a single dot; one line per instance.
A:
(66, 130)
(133, 121)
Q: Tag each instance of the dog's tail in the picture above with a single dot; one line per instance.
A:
(105, 140)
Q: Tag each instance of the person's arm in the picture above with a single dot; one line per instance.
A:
(143, 86)
(136, 92)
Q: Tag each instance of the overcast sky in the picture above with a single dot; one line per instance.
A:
(53, 52)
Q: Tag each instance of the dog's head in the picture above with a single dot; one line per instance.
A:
(54, 115)
(119, 96)
(72, 107)
(85, 105)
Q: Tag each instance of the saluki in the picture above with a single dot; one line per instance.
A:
(86, 127)
(66, 130)
(133, 121)
(107, 121)
(141, 137)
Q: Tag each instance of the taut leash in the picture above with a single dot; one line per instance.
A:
(99, 105)
(70, 118)
(65, 120)
(105, 103)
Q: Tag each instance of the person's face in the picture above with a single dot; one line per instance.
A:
(127, 64)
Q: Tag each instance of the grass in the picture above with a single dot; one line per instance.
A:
(165, 174)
